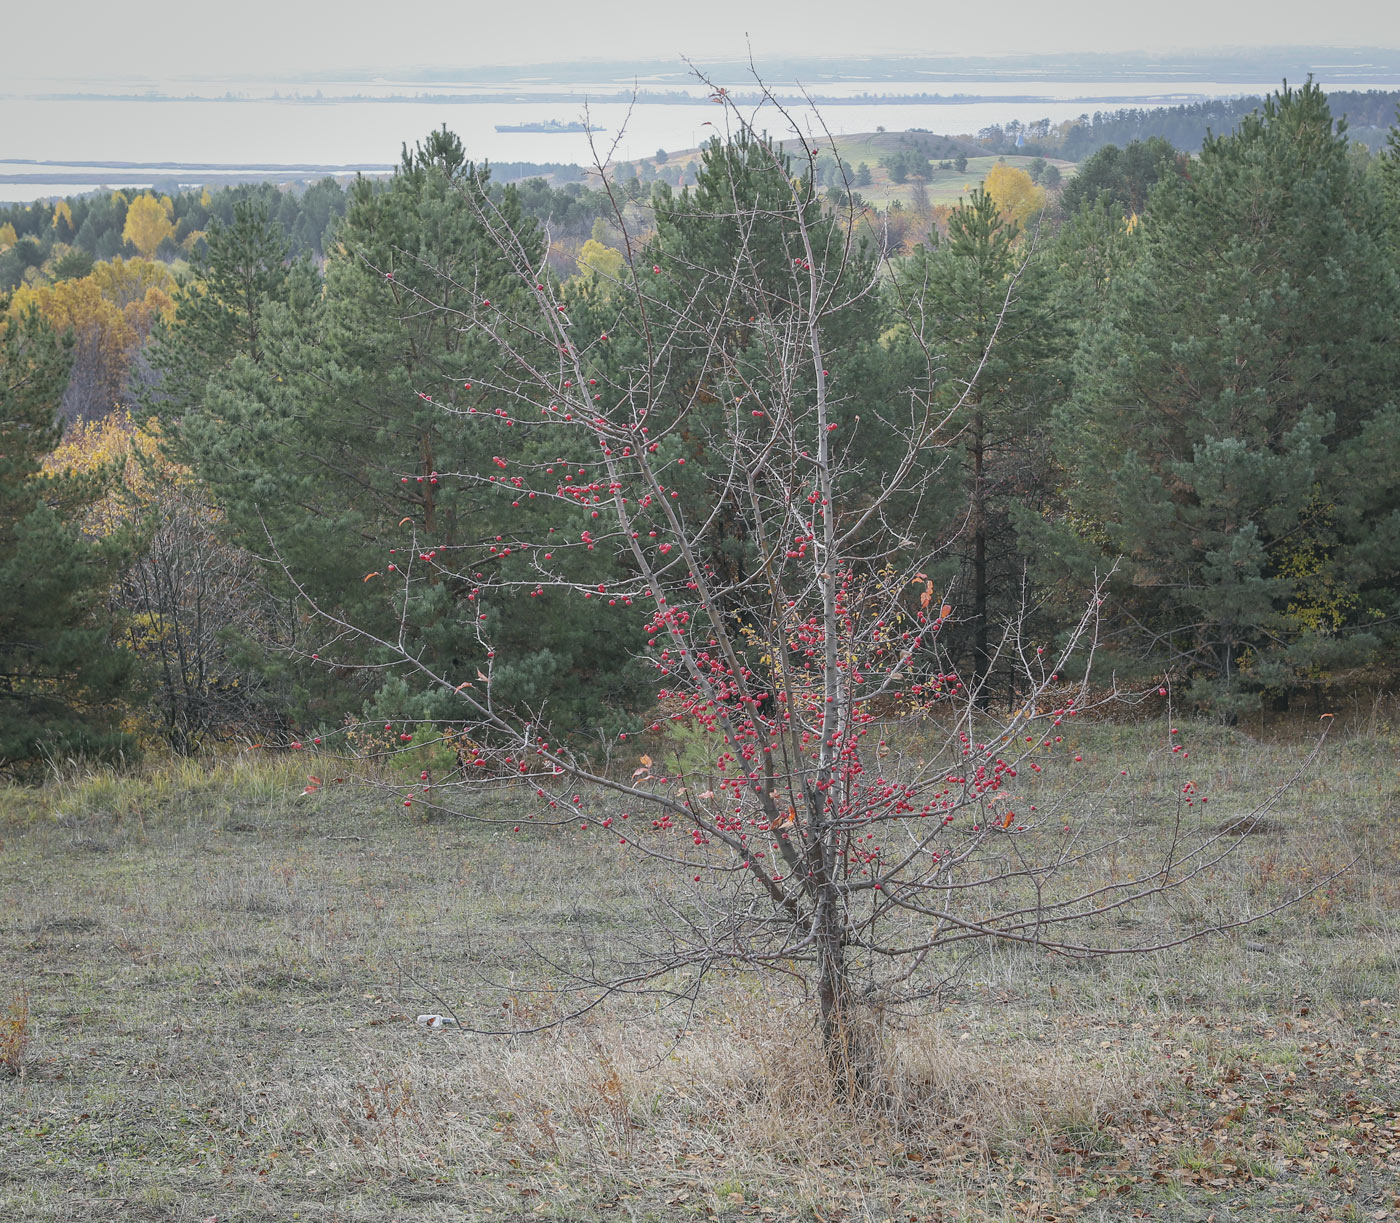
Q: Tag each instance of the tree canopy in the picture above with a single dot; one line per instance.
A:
(1232, 430)
(60, 676)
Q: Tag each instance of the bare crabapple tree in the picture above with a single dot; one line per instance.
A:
(731, 454)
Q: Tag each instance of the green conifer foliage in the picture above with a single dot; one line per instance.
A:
(985, 301)
(710, 333)
(336, 451)
(1240, 369)
(239, 270)
(59, 676)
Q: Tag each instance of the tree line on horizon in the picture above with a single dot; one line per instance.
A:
(1369, 115)
(1186, 377)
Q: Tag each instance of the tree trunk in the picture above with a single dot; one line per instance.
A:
(981, 648)
(847, 1040)
(429, 501)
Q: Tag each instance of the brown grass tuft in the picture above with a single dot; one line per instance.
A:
(14, 1034)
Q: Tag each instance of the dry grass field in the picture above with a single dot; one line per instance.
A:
(209, 981)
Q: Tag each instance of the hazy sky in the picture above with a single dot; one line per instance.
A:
(108, 40)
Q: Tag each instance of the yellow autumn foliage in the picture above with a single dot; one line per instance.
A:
(599, 263)
(1018, 199)
(124, 281)
(148, 223)
(110, 312)
(115, 443)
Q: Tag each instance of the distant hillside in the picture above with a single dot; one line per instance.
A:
(870, 162)
(1368, 115)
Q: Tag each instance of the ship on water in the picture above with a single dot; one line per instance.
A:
(553, 126)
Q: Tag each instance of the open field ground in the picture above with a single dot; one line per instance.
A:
(944, 187)
(222, 976)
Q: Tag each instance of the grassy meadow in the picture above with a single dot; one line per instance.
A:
(944, 186)
(209, 982)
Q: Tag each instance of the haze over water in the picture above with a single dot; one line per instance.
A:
(238, 122)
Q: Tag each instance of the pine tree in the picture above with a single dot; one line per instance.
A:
(59, 675)
(1122, 178)
(1249, 349)
(1388, 170)
(980, 294)
(331, 452)
(720, 286)
(241, 269)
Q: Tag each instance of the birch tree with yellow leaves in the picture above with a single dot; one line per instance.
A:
(149, 223)
(1017, 198)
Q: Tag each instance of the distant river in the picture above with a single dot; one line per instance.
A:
(271, 132)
